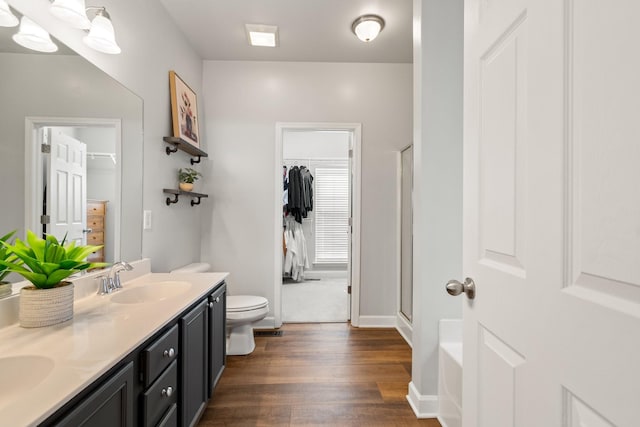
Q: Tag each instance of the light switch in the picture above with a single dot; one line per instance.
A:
(146, 222)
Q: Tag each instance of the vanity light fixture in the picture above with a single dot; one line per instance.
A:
(101, 36)
(34, 37)
(367, 27)
(262, 35)
(72, 12)
(7, 18)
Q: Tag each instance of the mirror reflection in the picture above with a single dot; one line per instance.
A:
(63, 117)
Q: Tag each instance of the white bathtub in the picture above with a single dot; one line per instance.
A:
(450, 373)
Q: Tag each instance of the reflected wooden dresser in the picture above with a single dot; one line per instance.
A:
(96, 219)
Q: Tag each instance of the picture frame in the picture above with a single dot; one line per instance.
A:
(184, 110)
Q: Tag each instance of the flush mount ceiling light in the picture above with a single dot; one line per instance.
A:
(367, 27)
(262, 35)
(72, 12)
(101, 36)
(7, 19)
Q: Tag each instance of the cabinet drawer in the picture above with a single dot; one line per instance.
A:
(97, 256)
(96, 223)
(161, 395)
(95, 238)
(159, 355)
(95, 208)
(170, 419)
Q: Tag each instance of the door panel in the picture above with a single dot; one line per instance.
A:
(67, 198)
(551, 213)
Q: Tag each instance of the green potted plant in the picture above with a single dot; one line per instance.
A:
(5, 255)
(46, 263)
(187, 177)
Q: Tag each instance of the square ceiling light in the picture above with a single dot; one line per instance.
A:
(262, 35)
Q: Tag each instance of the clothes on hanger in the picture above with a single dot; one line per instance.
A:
(295, 260)
(299, 192)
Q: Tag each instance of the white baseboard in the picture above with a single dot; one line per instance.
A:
(424, 406)
(442, 422)
(266, 323)
(377, 322)
(405, 329)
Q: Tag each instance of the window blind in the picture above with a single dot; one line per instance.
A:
(331, 207)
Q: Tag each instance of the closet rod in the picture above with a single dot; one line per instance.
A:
(111, 156)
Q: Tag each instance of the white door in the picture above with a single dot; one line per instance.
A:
(552, 213)
(66, 189)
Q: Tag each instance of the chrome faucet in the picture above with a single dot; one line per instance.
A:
(111, 282)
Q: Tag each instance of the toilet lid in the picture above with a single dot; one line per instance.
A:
(245, 302)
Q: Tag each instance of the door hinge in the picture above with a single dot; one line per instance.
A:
(350, 153)
(45, 148)
(349, 289)
(45, 219)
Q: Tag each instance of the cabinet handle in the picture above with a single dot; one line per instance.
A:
(211, 305)
(169, 353)
(167, 392)
(217, 299)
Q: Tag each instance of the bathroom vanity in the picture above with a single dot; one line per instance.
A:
(150, 354)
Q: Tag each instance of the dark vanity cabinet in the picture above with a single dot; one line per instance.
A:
(110, 405)
(167, 381)
(194, 334)
(217, 334)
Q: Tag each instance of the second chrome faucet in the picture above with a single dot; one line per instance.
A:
(111, 282)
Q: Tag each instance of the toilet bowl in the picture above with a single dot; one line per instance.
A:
(242, 312)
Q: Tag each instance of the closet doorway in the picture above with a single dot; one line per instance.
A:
(317, 223)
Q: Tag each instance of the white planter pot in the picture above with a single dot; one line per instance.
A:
(46, 307)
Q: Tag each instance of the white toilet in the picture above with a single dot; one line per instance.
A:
(242, 312)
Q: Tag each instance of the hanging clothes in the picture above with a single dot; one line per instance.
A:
(295, 260)
(299, 192)
(307, 190)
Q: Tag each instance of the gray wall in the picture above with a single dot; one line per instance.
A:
(244, 101)
(437, 231)
(151, 46)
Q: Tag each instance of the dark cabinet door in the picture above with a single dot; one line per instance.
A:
(110, 405)
(217, 335)
(194, 366)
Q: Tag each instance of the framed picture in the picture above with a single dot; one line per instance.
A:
(184, 110)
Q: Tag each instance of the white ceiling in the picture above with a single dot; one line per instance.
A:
(309, 30)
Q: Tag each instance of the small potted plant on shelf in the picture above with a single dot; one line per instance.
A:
(187, 177)
(5, 255)
(46, 263)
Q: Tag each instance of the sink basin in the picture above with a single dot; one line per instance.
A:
(19, 374)
(150, 292)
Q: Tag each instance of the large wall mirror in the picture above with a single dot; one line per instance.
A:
(62, 99)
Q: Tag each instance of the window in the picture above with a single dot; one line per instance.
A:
(331, 207)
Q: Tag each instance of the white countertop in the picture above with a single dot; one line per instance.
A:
(79, 351)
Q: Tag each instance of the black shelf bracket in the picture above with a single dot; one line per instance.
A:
(170, 150)
(193, 162)
(175, 200)
(196, 198)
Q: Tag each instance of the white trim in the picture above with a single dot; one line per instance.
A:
(424, 406)
(377, 322)
(33, 171)
(442, 422)
(356, 129)
(405, 329)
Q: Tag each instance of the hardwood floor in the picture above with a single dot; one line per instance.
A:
(318, 374)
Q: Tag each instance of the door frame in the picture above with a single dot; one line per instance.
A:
(33, 172)
(356, 167)
(404, 325)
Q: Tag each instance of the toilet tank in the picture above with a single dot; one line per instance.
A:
(196, 267)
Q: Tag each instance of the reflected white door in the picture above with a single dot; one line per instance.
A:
(67, 187)
(552, 213)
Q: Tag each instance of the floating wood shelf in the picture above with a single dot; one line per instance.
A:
(177, 193)
(181, 144)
